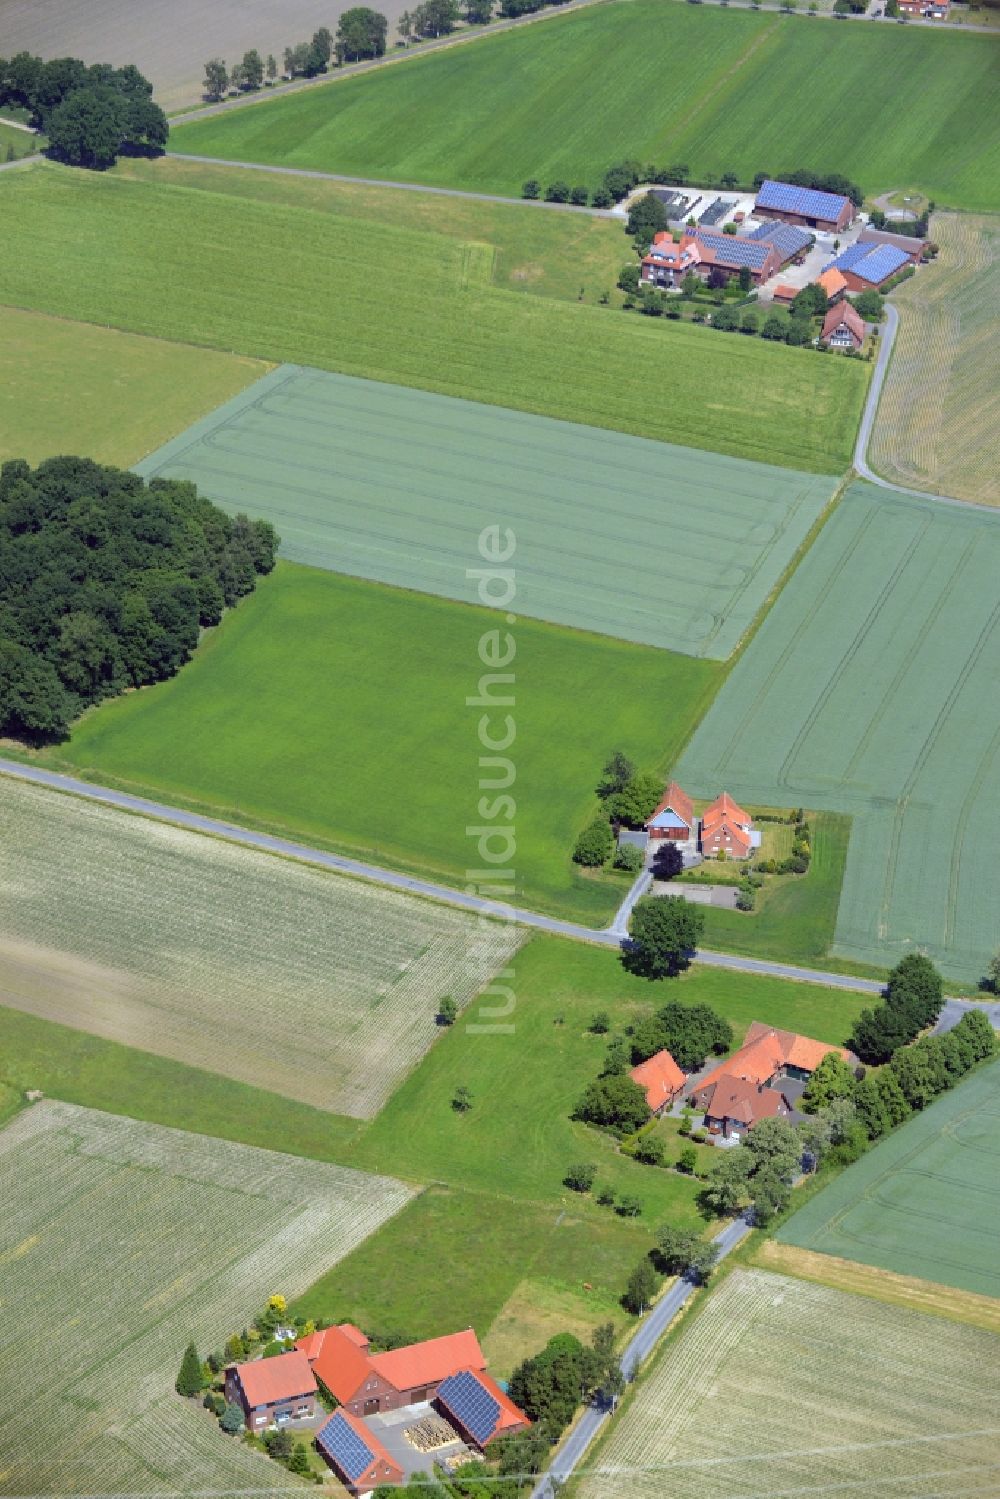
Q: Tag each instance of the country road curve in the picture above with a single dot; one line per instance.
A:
(409, 884)
(642, 1343)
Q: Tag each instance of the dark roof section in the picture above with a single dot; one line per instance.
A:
(908, 242)
(339, 1439)
(728, 249)
(874, 263)
(807, 201)
(471, 1405)
(787, 239)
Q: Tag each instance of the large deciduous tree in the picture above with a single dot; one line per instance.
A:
(361, 32)
(665, 931)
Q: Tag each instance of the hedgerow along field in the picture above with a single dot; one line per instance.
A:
(926, 1202)
(398, 485)
(70, 387)
(940, 409)
(335, 710)
(122, 1241)
(662, 83)
(779, 1386)
(203, 268)
(324, 989)
(868, 690)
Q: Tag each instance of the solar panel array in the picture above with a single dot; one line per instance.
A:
(875, 263)
(784, 196)
(471, 1404)
(733, 251)
(787, 239)
(338, 1439)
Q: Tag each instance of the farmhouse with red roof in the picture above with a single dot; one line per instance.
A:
(746, 1087)
(661, 1080)
(364, 1382)
(272, 1391)
(673, 817)
(725, 826)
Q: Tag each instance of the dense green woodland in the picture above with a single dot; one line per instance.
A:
(90, 114)
(105, 583)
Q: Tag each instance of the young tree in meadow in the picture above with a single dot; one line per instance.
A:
(190, 1379)
(236, 79)
(665, 932)
(617, 772)
(216, 78)
(289, 60)
(322, 44)
(272, 67)
(253, 69)
(447, 1011)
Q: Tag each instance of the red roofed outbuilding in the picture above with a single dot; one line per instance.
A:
(475, 1404)
(673, 816)
(355, 1454)
(272, 1390)
(661, 1080)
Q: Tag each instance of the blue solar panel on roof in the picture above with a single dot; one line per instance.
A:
(471, 1404)
(848, 259)
(788, 239)
(734, 251)
(341, 1442)
(874, 263)
(803, 200)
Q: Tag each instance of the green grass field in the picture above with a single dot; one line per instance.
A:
(867, 691)
(398, 486)
(926, 1201)
(290, 284)
(336, 710)
(722, 91)
(184, 938)
(519, 1137)
(15, 144)
(778, 1386)
(796, 920)
(121, 1241)
(72, 388)
(572, 256)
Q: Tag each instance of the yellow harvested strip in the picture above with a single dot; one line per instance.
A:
(884, 1285)
(940, 409)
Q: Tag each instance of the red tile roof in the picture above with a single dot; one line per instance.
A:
(724, 809)
(431, 1361)
(846, 315)
(832, 282)
(764, 1052)
(677, 801)
(338, 1361)
(280, 1378)
(354, 1333)
(660, 1077)
(785, 293)
(735, 1098)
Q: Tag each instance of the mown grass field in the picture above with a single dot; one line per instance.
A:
(867, 691)
(398, 486)
(69, 387)
(359, 737)
(795, 921)
(288, 284)
(15, 144)
(519, 1136)
(575, 257)
(940, 409)
(776, 1385)
(926, 1202)
(148, 934)
(120, 1242)
(662, 83)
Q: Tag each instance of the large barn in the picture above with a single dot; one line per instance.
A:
(804, 205)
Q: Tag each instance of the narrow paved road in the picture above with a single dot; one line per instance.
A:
(406, 187)
(407, 883)
(652, 1327)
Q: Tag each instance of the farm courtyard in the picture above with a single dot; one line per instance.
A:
(122, 1241)
(779, 1386)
